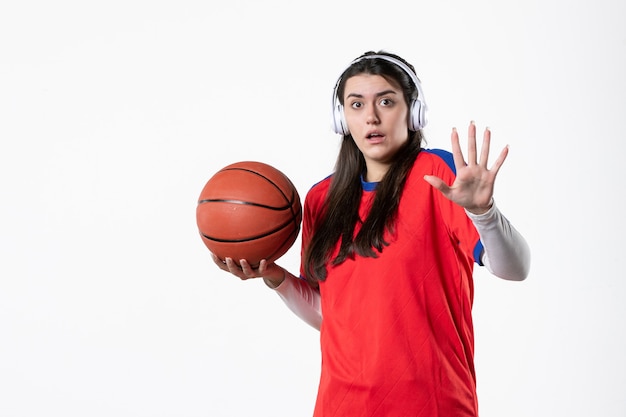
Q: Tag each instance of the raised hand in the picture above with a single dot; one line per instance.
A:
(474, 183)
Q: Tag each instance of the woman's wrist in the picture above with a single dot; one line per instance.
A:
(481, 211)
(275, 282)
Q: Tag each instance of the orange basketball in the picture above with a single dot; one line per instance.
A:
(249, 210)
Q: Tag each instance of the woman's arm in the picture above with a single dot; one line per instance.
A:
(296, 293)
(506, 252)
(300, 298)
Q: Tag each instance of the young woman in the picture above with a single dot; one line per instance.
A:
(389, 244)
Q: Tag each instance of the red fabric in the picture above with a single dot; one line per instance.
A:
(397, 335)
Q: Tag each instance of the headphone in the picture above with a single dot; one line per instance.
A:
(417, 107)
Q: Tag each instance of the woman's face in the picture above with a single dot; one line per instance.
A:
(377, 117)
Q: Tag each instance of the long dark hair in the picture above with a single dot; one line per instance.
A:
(341, 211)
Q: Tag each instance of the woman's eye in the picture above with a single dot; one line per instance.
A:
(356, 105)
(386, 102)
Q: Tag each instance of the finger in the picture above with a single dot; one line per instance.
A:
(262, 267)
(231, 265)
(471, 144)
(217, 260)
(247, 269)
(484, 152)
(235, 269)
(220, 263)
(438, 183)
(500, 160)
(457, 154)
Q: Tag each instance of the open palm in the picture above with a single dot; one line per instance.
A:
(474, 183)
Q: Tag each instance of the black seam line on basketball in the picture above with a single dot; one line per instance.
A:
(264, 177)
(289, 200)
(292, 199)
(246, 203)
(291, 238)
(268, 233)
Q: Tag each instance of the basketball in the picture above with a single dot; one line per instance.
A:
(249, 210)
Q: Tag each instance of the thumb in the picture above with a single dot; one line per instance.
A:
(437, 182)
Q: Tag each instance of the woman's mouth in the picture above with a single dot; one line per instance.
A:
(375, 137)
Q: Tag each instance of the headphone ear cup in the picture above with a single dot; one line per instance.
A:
(339, 121)
(414, 116)
(418, 115)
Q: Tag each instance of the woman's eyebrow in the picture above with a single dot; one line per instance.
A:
(382, 93)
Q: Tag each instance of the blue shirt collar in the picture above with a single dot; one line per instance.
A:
(368, 186)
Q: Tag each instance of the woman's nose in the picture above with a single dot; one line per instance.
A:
(372, 116)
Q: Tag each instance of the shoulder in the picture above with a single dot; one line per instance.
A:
(317, 193)
(439, 157)
(437, 162)
(321, 186)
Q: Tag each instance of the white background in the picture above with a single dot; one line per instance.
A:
(114, 114)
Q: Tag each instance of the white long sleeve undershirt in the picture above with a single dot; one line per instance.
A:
(506, 255)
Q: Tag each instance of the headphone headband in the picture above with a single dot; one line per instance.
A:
(417, 107)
